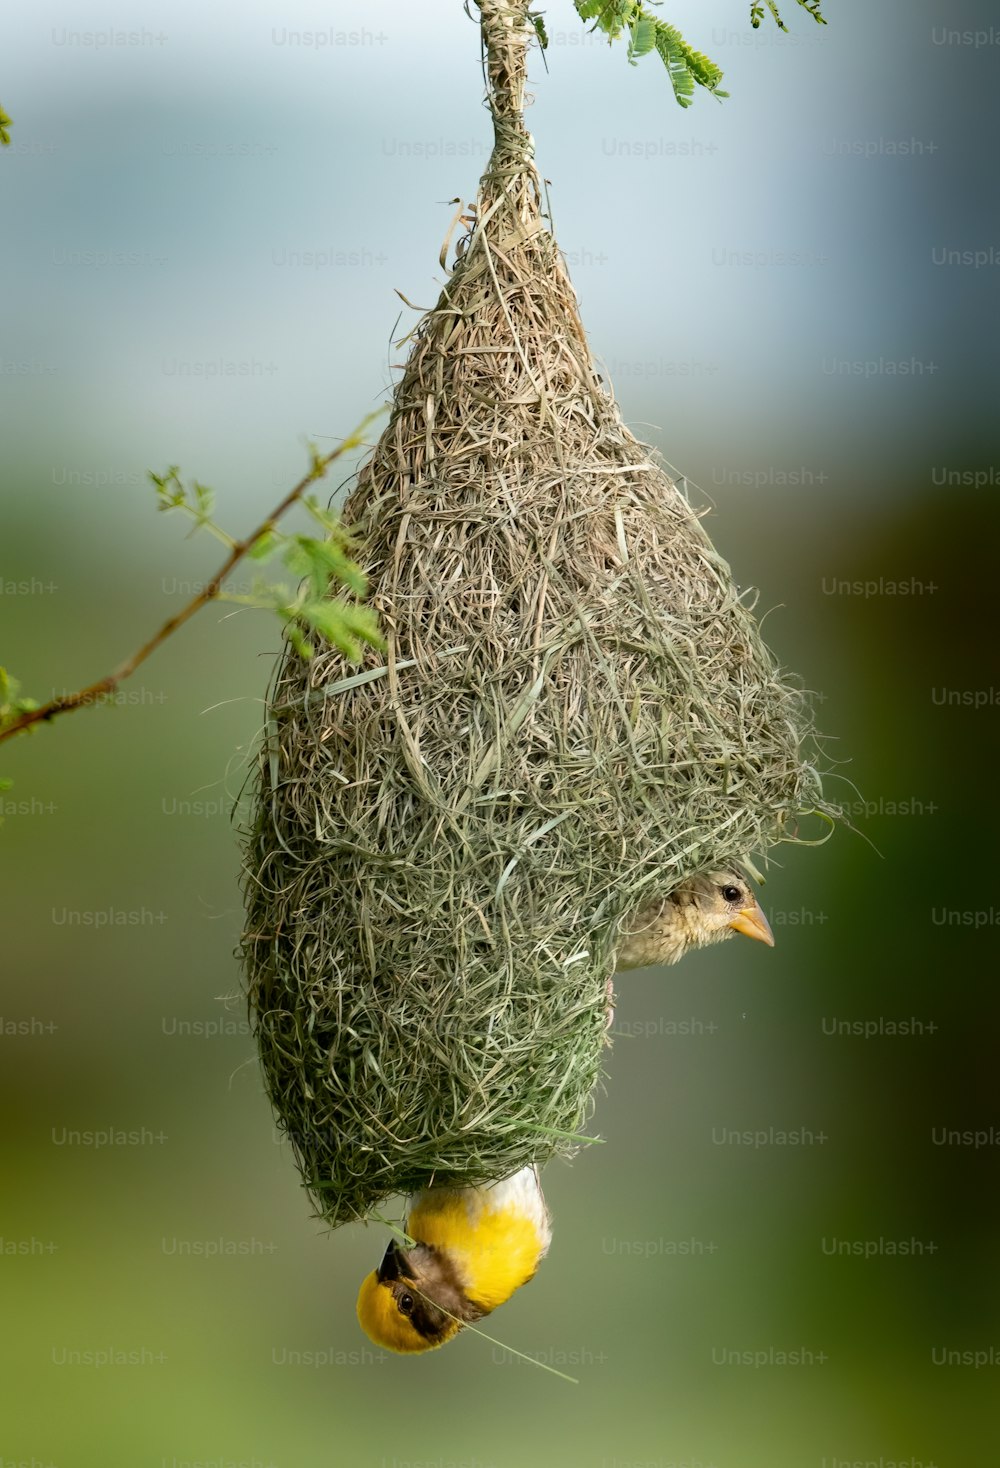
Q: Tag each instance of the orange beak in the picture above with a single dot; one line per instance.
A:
(751, 922)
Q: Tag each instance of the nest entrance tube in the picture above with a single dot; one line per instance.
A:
(575, 711)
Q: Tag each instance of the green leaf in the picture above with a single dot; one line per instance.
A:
(204, 499)
(643, 37)
(265, 546)
(346, 626)
(341, 566)
(301, 644)
(301, 558)
(12, 704)
(5, 123)
(169, 490)
(319, 560)
(611, 16)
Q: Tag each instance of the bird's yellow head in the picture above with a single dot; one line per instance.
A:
(400, 1303)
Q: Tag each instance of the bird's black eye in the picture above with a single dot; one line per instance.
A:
(406, 1304)
(732, 894)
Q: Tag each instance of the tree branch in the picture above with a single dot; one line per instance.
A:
(95, 692)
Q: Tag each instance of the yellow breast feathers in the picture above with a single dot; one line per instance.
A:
(495, 1235)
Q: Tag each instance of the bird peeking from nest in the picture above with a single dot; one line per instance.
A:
(472, 1248)
(703, 910)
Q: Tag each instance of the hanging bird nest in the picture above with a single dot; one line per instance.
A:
(575, 711)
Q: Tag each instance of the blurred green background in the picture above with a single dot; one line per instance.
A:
(204, 227)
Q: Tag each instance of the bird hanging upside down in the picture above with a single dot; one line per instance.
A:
(703, 910)
(473, 1248)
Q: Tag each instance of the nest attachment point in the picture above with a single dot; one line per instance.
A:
(575, 711)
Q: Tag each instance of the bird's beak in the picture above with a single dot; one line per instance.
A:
(751, 922)
(392, 1264)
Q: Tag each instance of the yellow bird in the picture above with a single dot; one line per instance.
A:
(473, 1247)
(703, 910)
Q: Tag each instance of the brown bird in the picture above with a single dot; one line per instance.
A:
(703, 910)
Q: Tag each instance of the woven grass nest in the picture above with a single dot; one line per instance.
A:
(575, 711)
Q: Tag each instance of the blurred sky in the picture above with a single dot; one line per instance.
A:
(793, 294)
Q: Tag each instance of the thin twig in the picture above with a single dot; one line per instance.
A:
(94, 692)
